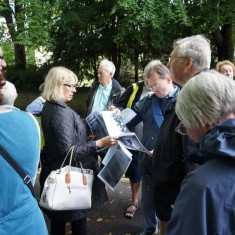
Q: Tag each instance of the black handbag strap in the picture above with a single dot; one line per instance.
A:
(18, 169)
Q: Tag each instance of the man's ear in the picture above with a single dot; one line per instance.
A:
(189, 62)
(169, 79)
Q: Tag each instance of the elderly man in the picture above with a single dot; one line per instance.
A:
(129, 98)
(106, 90)
(189, 57)
(151, 111)
(205, 204)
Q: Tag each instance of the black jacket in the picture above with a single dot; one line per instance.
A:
(123, 101)
(115, 94)
(169, 168)
(62, 128)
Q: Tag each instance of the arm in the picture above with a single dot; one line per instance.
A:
(68, 130)
(35, 107)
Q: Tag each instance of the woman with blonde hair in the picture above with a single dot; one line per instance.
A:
(63, 128)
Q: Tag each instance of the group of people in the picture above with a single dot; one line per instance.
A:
(185, 118)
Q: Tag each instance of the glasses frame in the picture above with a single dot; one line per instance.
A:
(153, 87)
(71, 86)
(170, 58)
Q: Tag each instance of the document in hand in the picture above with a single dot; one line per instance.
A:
(116, 162)
(116, 127)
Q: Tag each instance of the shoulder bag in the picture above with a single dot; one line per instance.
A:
(68, 188)
(18, 169)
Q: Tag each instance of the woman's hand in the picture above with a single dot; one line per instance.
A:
(107, 141)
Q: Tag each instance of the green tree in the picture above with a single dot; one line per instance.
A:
(214, 18)
(25, 23)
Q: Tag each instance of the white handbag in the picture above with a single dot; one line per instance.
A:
(68, 188)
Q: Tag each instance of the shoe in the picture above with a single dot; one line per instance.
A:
(131, 210)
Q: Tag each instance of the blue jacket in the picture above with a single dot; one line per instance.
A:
(206, 202)
(144, 111)
(19, 211)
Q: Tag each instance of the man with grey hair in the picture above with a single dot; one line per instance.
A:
(151, 111)
(189, 57)
(106, 90)
(205, 204)
(9, 94)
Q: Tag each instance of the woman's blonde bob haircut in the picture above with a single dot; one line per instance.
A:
(56, 77)
(205, 99)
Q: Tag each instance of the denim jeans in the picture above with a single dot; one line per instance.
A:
(151, 225)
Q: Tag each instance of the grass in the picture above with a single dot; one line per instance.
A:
(78, 103)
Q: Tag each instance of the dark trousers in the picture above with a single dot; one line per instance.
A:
(78, 227)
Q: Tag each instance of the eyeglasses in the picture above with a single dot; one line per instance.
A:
(171, 58)
(153, 87)
(181, 129)
(71, 86)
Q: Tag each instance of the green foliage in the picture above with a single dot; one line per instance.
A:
(29, 79)
(128, 32)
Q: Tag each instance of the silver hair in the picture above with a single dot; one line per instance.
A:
(109, 66)
(205, 99)
(9, 94)
(196, 47)
(158, 67)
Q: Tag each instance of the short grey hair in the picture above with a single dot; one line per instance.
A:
(9, 94)
(156, 66)
(205, 99)
(53, 85)
(109, 66)
(196, 47)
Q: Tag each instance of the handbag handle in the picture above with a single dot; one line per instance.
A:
(67, 175)
(70, 151)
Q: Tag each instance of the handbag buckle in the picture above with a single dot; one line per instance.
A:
(27, 179)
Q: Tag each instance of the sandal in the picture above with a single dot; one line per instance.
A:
(131, 210)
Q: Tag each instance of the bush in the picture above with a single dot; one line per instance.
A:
(28, 79)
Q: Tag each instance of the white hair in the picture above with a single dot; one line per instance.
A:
(205, 99)
(196, 47)
(109, 66)
(9, 94)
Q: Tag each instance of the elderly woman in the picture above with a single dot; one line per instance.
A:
(63, 128)
(205, 204)
(226, 67)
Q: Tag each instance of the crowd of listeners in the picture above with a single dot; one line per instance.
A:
(185, 119)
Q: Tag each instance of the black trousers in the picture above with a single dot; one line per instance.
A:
(78, 227)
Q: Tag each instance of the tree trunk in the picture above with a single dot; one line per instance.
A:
(20, 56)
(136, 63)
(224, 42)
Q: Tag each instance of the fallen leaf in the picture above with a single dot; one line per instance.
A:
(99, 220)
